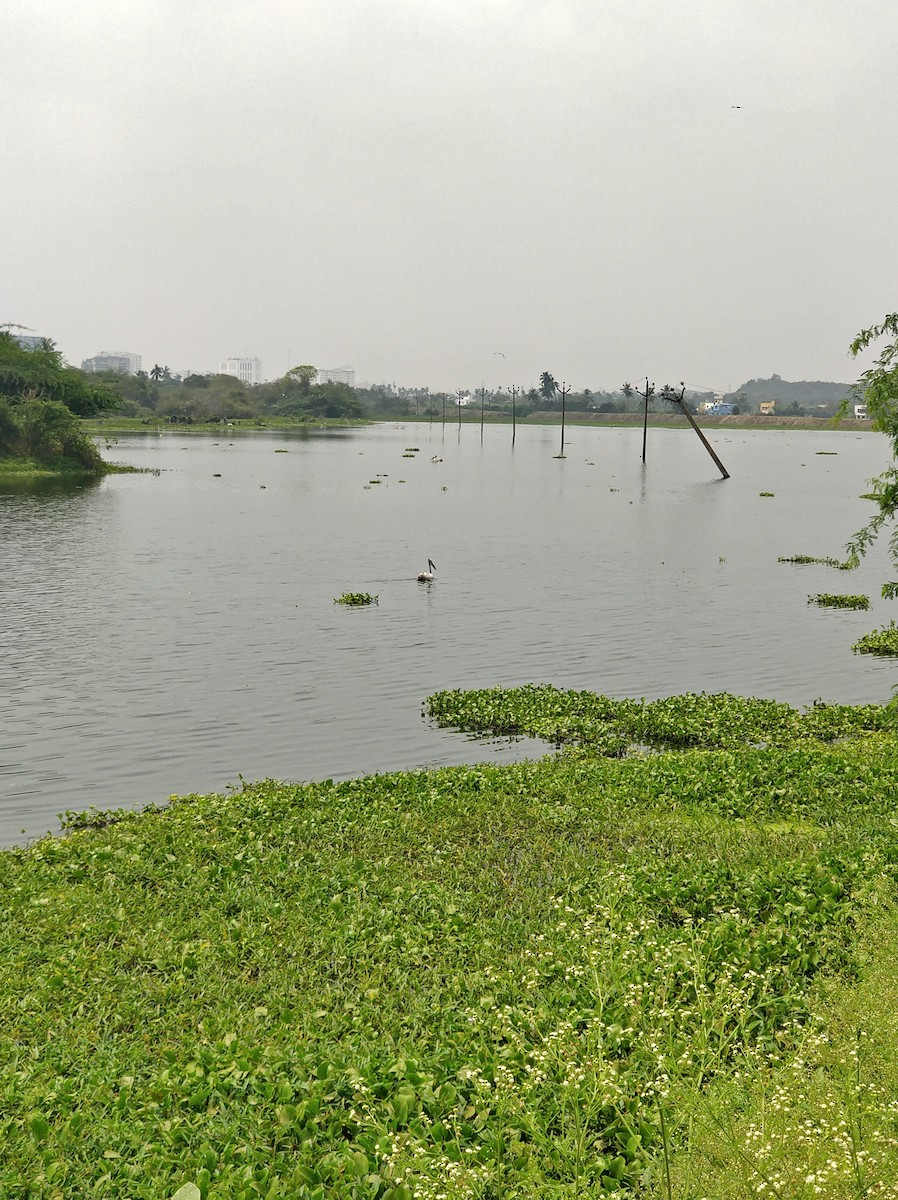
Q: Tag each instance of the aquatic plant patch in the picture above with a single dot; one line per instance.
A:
(879, 641)
(827, 600)
(471, 982)
(803, 559)
(616, 726)
(474, 981)
(356, 599)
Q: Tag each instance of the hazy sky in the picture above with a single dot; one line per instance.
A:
(605, 189)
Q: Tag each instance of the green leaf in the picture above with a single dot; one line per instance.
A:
(188, 1192)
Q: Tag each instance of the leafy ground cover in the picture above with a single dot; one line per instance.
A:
(544, 979)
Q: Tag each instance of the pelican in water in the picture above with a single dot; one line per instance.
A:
(427, 576)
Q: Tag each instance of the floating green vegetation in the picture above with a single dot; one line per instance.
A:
(356, 599)
(879, 641)
(803, 559)
(408, 456)
(832, 452)
(375, 481)
(766, 493)
(828, 600)
(281, 452)
(490, 981)
(615, 727)
(412, 449)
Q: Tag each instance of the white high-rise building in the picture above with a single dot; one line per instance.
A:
(337, 375)
(113, 360)
(247, 370)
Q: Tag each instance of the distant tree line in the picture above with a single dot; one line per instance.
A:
(194, 398)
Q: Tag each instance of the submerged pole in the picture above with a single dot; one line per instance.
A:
(688, 415)
(564, 389)
(645, 415)
(514, 392)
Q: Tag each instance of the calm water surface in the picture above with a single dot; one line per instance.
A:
(167, 634)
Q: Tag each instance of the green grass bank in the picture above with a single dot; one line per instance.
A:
(659, 962)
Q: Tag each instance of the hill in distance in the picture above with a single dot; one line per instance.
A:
(816, 397)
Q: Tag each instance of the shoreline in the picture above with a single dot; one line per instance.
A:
(100, 427)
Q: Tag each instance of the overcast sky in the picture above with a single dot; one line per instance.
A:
(701, 191)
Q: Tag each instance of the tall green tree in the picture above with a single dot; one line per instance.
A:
(304, 376)
(547, 386)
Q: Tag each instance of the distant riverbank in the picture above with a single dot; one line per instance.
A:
(112, 425)
(674, 420)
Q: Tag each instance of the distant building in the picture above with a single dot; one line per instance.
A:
(709, 405)
(121, 361)
(337, 375)
(28, 341)
(767, 408)
(860, 412)
(247, 370)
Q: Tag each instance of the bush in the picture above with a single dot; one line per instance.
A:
(45, 430)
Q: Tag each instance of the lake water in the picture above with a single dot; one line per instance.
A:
(169, 633)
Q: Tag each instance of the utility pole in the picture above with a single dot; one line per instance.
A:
(671, 395)
(459, 393)
(482, 398)
(649, 391)
(514, 393)
(564, 389)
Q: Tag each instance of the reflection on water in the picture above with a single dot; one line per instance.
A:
(169, 634)
(30, 485)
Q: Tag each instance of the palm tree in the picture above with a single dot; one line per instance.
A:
(547, 386)
(157, 372)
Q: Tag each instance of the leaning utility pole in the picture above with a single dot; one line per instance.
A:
(672, 396)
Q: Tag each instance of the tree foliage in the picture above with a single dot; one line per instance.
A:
(41, 374)
(878, 388)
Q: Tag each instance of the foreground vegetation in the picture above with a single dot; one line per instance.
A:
(664, 974)
(41, 403)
